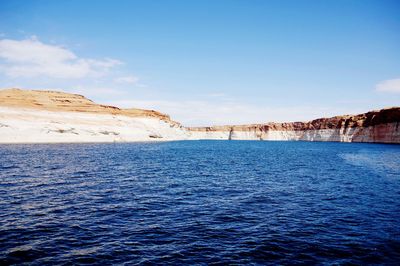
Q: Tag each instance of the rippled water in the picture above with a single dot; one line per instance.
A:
(200, 202)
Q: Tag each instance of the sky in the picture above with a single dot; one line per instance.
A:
(209, 62)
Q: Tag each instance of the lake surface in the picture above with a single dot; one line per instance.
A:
(200, 202)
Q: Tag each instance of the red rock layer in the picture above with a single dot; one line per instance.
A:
(373, 118)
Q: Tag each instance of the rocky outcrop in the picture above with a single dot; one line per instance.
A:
(52, 116)
(68, 102)
(29, 116)
(375, 126)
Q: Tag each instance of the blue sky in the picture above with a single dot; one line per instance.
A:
(209, 62)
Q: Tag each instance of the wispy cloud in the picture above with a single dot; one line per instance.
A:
(391, 86)
(127, 79)
(32, 58)
(99, 92)
(207, 113)
(216, 95)
(30, 63)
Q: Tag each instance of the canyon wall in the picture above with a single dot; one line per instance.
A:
(381, 126)
(29, 116)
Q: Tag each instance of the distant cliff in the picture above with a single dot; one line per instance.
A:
(50, 116)
(375, 126)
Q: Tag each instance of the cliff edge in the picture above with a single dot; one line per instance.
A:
(33, 116)
(51, 116)
(68, 102)
(374, 126)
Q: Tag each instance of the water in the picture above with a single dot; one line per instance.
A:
(200, 202)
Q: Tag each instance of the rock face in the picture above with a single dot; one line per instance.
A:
(67, 102)
(375, 126)
(29, 116)
(50, 116)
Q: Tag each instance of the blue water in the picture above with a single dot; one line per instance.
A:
(200, 202)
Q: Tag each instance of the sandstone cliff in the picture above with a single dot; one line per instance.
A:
(51, 116)
(68, 102)
(375, 126)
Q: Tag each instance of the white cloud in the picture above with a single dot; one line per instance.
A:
(127, 79)
(32, 58)
(97, 92)
(216, 95)
(206, 113)
(391, 85)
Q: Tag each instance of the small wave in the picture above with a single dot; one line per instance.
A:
(380, 162)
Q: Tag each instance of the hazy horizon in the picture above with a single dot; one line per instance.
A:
(209, 62)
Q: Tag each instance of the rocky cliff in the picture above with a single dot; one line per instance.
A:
(52, 116)
(68, 102)
(375, 126)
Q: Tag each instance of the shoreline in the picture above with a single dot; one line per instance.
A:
(31, 116)
(192, 140)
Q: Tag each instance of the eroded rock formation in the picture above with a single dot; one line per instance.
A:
(51, 116)
(68, 102)
(375, 126)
